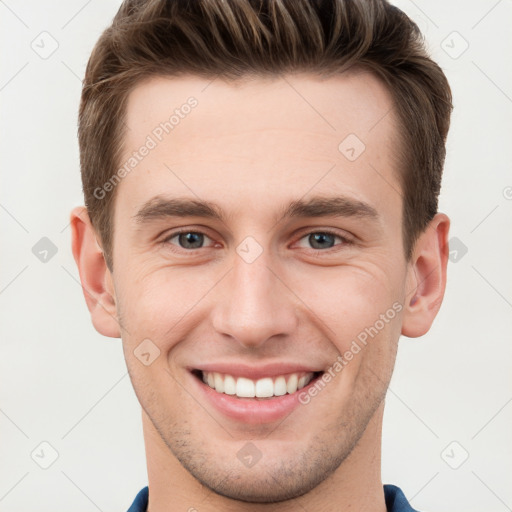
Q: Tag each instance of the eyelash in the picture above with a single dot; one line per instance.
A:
(345, 240)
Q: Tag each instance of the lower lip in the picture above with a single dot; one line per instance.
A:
(251, 410)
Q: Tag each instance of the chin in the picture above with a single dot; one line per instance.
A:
(263, 486)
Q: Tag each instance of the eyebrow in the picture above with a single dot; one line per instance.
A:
(161, 207)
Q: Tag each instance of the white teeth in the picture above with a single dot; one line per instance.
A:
(280, 386)
(262, 388)
(229, 385)
(219, 382)
(291, 385)
(244, 387)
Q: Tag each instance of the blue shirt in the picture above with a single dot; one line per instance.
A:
(395, 500)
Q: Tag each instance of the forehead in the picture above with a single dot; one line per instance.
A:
(353, 102)
(261, 137)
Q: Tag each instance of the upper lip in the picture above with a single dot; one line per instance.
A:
(239, 369)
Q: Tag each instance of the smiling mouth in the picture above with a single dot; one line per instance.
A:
(260, 389)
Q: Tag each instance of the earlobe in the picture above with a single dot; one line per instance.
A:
(95, 277)
(426, 280)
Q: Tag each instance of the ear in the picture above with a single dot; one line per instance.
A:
(96, 279)
(426, 279)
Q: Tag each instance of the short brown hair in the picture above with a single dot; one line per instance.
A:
(235, 38)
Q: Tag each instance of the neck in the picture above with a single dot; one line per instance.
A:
(355, 485)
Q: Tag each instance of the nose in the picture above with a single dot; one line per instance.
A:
(254, 304)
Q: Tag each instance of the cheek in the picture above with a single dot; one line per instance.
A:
(350, 300)
(154, 302)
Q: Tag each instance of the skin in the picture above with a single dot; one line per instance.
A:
(252, 147)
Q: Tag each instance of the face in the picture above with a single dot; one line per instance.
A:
(298, 255)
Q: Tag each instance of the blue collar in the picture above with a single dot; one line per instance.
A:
(395, 500)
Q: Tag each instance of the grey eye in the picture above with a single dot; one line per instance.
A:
(321, 240)
(188, 239)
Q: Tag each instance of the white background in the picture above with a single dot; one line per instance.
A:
(63, 383)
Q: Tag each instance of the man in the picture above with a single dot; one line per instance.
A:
(261, 226)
